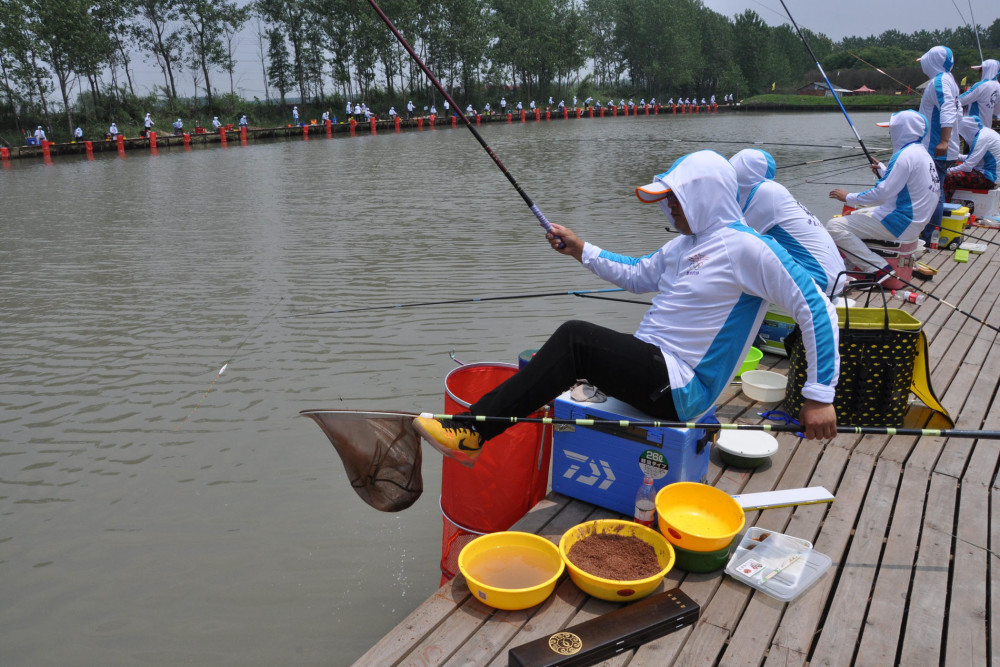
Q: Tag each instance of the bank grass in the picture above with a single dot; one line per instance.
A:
(784, 100)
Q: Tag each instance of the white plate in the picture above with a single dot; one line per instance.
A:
(752, 444)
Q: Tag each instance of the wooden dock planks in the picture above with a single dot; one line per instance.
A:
(910, 534)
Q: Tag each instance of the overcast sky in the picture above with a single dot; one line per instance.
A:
(837, 20)
(860, 18)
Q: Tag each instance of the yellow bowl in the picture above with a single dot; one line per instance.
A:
(698, 517)
(611, 589)
(511, 570)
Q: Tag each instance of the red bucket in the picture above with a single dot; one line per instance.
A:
(510, 475)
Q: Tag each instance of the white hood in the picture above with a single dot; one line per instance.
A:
(989, 70)
(939, 59)
(752, 166)
(705, 184)
(969, 127)
(906, 127)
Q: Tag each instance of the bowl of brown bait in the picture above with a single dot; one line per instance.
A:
(616, 560)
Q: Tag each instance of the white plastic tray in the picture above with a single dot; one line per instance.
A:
(780, 565)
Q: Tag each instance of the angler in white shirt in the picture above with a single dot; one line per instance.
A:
(905, 198)
(769, 208)
(712, 284)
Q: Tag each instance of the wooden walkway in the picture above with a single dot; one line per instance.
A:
(912, 582)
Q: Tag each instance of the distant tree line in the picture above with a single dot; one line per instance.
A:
(82, 53)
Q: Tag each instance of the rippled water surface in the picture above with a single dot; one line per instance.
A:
(154, 512)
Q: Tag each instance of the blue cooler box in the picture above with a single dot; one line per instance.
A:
(600, 464)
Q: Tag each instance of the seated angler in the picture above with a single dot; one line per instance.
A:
(713, 284)
(769, 208)
(979, 169)
(904, 198)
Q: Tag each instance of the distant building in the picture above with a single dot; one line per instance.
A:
(820, 88)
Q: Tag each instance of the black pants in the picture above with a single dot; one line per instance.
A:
(618, 364)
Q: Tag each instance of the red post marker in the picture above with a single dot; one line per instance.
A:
(522, 115)
(222, 136)
(187, 139)
(478, 119)
(565, 113)
(433, 121)
(420, 123)
(454, 121)
(5, 154)
(371, 122)
(614, 112)
(329, 125)
(45, 149)
(647, 109)
(121, 145)
(538, 115)
(152, 141)
(591, 111)
(548, 115)
(509, 116)
(397, 124)
(243, 131)
(305, 132)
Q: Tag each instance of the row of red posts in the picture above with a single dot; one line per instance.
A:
(120, 139)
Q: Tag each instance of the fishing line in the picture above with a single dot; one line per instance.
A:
(872, 162)
(229, 361)
(773, 428)
(827, 159)
(454, 301)
(542, 220)
(908, 87)
(709, 141)
(893, 274)
(976, 27)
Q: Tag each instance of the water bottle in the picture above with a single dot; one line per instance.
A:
(908, 296)
(935, 238)
(645, 503)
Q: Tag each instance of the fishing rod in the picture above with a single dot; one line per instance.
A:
(872, 162)
(717, 141)
(966, 235)
(975, 31)
(542, 220)
(976, 27)
(881, 71)
(773, 428)
(826, 159)
(453, 301)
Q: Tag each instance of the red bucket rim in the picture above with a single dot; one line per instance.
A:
(477, 364)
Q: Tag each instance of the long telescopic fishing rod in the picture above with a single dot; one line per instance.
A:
(542, 220)
(893, 274)
(454, 301)
(774, 428)
(873, 163)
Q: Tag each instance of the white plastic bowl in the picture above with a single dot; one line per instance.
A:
(764, 386)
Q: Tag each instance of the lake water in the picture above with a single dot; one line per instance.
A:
(154, 512)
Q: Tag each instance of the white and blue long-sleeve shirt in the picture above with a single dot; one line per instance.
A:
(906, 195)
(984, 149)
(939, 102)
(713, 291)
(983, 98)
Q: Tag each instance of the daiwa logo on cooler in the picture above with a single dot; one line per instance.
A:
(600, 471)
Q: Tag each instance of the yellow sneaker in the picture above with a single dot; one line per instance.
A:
(453, 438)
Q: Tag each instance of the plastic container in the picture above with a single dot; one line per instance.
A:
(612, 589)
(510, 474)
(908, 296)
(499, 550)
(764, 386)
(780, 565)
